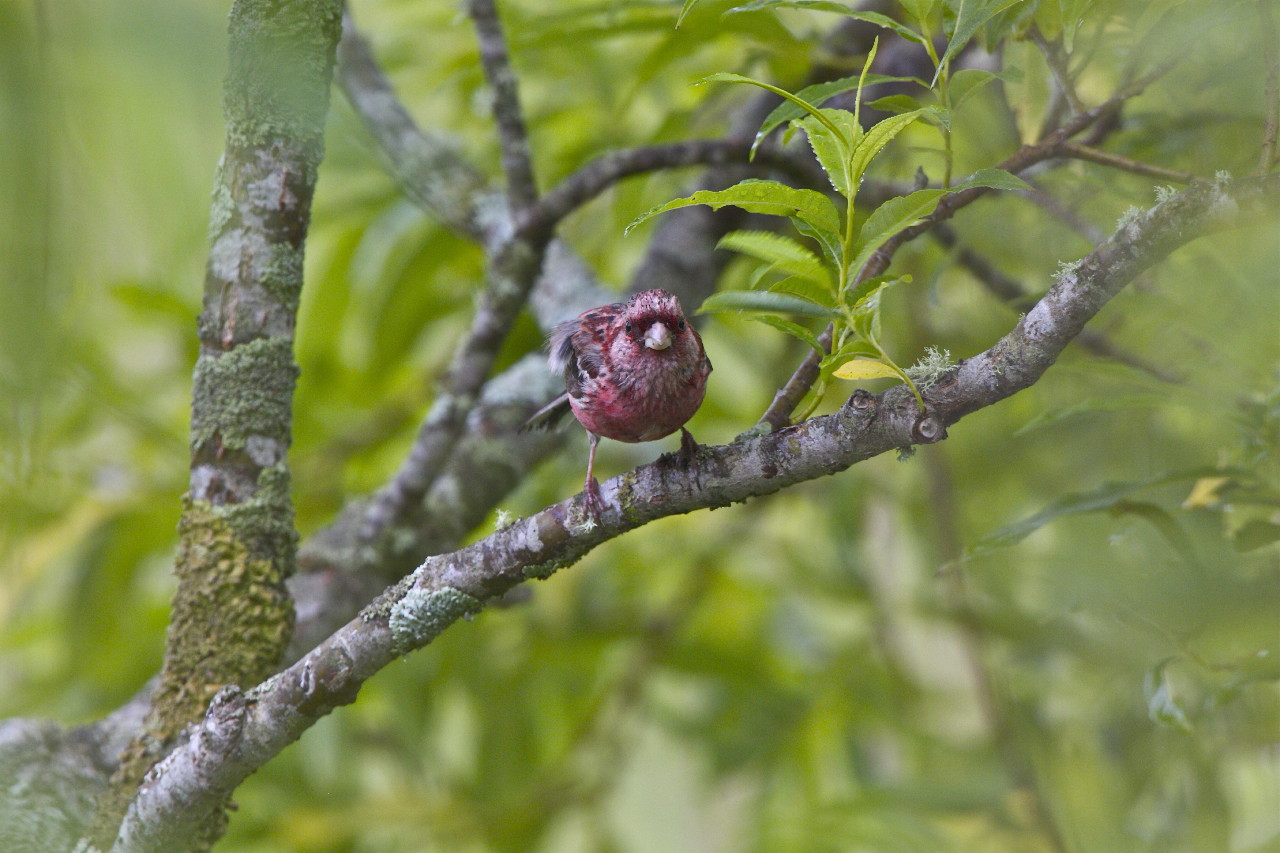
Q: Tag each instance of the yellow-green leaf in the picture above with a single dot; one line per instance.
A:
(865, 368)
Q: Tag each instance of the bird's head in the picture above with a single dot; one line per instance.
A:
(652, 320)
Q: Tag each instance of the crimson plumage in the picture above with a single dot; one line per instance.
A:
(633, 371)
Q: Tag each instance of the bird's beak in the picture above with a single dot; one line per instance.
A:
(658, 336)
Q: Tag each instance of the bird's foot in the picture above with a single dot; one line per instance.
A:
(687, 456)
(592, 501)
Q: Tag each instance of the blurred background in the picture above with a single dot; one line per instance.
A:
(1057, 630)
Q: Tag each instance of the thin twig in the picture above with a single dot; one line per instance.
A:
(426, 167)
(517, 164)
(1057, 61)
(513, 268)
(598, 175)
(1271, 57)
(1117, 161)
(784, 402)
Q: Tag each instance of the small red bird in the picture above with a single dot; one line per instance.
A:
(633, 371)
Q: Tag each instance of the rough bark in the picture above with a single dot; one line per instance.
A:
(232, 614)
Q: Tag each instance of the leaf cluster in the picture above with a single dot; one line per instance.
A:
(828, 271)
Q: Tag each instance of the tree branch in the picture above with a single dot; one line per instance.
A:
(427, 168)
(242, 731)
(1117, 161)
(232, 616)
(594, 178)
(513, 139)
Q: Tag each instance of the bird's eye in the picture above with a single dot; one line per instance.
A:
(680, 325)
(628, 325)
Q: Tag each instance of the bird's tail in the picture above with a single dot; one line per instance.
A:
(549, 416)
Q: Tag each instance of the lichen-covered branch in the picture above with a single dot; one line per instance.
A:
(243, 731)
(232, 615)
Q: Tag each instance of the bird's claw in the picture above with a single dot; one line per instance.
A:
(591, 499)
(687, 456)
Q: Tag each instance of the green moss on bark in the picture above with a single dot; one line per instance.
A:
(232, 616)
(248, 391)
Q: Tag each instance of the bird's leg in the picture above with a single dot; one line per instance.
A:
(591, 489)
(688, 455)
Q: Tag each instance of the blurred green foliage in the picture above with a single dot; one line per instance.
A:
(1051, 619)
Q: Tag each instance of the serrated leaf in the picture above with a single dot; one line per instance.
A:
(890, 218)
(762, 300)
(996, 179)
(970, 14)
(865, 368)
(839, 8)
(858, 294)
(874, 140)
(755, 196)
(804, 288)
(817, 94)
(829, 241)
(780, 251)
(793, 329)
(833, 147)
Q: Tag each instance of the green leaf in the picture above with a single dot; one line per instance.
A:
(896, 104)
(919, 9)
(874, 141)
(866, 313)
(854, 348)
(804, 288)
(781, 252)
(865, 368)
(793, 329)
(966, 82)
(855, 296)
(996, 179)
(970, 14)
(726, 77)
(684, 10)
(839, 8)
(755, 196)
(1255, 533)
(829, 241)
(760, 300)
(890, 218)
(819, 93)
(1105, 497)
(833, 148)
